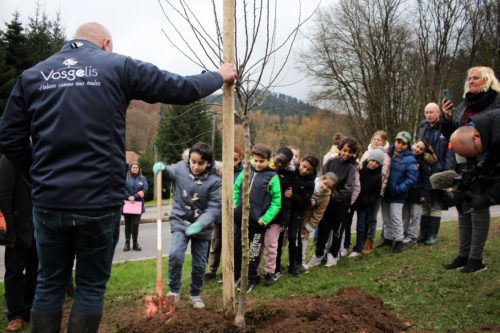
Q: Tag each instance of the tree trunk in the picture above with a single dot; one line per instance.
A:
(228, 297)
(240, 315)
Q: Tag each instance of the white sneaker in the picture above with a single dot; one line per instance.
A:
(315, 261)
(344, 252)
(177, 296)
(354, 254)
(331, 260)
(196, 302)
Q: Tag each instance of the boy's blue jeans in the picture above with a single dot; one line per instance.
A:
(62, 236)
(199, 250)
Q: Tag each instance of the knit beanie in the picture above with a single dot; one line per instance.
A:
(378, 155)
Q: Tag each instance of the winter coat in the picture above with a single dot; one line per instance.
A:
(286, 177)
(385, 168)
(403, 175)
(481, 103)
(74, 104)
(197, 198)
(371, 183)
(313, 215)
(487, 125)
(345, 171)
(302, 190)
(265, 197)
(137, 187)
(15, 204)
(439, 142)
(422, 185)
(237, 170)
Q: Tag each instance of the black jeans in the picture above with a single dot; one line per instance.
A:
(21, 270)
(132, 226)
(333, 219)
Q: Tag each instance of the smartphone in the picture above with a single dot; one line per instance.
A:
(446, 94)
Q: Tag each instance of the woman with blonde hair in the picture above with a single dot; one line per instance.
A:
(481, 94)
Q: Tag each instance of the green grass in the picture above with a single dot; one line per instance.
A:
(413, 285)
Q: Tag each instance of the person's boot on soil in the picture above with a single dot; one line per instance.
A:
(197, 302)
(45, 322)
(80, 322)
(424, 229)
(458, 262)
(127, 245)
(435, 222)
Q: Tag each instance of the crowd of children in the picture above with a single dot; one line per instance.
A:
(289, 202)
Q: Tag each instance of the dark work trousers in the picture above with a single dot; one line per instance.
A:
(132, 226)
(281, 239)
(21, 270)
(333, 220)
(294, 242)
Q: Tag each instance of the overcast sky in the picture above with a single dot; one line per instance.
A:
(136, 27)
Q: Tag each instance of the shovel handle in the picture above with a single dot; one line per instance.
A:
(159, 278)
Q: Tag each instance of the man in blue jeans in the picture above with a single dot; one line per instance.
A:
(73, 105)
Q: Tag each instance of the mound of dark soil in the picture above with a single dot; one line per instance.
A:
(349, 310)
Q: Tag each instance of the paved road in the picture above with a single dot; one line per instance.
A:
(147, 236)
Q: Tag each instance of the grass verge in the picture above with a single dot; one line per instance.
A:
(413, 285)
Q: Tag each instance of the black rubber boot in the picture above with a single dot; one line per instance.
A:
(127, 245)
(80, 322)
(424, 229)
(45, 322)
(435, 223)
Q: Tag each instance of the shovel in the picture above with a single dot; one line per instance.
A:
(159, 304)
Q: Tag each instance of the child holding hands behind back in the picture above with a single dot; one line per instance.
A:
(196, 208)
(265, 203)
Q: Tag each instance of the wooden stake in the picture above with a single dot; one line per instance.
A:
(228, 298)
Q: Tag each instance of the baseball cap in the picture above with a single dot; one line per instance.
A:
(404, 136)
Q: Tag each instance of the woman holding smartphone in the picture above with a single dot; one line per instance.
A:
(481, 94)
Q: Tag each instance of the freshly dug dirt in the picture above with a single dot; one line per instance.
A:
(349, 310)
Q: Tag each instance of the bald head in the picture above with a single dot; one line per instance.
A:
(97, 34)
(466, 141)
(432, 113)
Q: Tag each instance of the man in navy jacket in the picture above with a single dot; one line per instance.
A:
(431, 131)
(73, 105)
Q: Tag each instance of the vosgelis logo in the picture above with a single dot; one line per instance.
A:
(70, 72)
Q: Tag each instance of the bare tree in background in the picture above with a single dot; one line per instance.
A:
(258, 43)
(359, 52)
